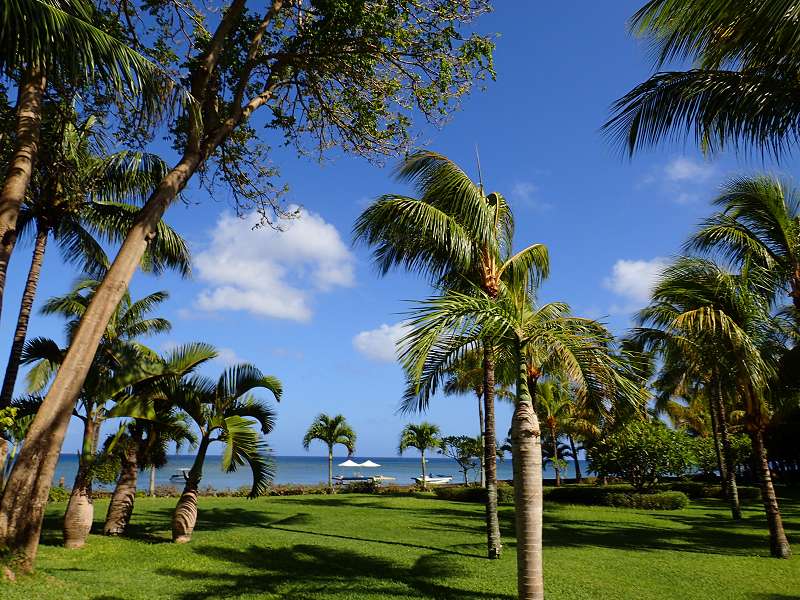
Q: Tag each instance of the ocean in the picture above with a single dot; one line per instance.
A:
(304, 470)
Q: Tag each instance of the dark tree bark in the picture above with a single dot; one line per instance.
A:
(25, 308)
(490, 455)
(778, 543)
(578, 474)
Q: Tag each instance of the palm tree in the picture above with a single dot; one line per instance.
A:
(554, 405)
(145, 441)
(424, 436)
(539, 340)
(73, 198)
(331, 431)
(759, 223)
(705, 311)
(455, 235)
(742, 89)
(225, 411)
(69, 41)
(121, 362)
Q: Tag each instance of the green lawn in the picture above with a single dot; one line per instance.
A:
(319, 547)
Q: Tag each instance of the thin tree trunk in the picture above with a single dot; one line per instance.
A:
(80, 508)
(483, 441)
(578, 474)
(152, 489)
(20, 168)
(120, 508)
(25, 307)
(424, 475)
(723, 473)
(25, 496)
(490, 455)
(556, 466)
(526, 446)
(727, 455)
(3, 461)
(330, 469)
(778, 544)
(185, 517)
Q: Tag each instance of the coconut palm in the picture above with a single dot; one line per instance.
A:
(331, 431)
(423, 436)
(759, 223)
(144, 443)
(742, 89)
(456, 235)
(74, 199)
(540, 341)
(721, 323)
(554, 406)
(225, 411)
(66, 42)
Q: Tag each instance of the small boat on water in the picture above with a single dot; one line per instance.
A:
(180, 476)
(434, 480)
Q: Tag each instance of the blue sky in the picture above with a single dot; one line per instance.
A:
(306, 306)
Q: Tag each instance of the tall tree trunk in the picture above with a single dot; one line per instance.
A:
(778, 544)
(3, 460)
(25, 496)
(424, 474)
(723, 473)
(80, 508)
(578, 474)
(556, 466)
(25, 307)
(120, 508)
(26, 146)
(152, 488)
(526, 444)
(727, 455)
(330, 469)
(483, 440)
(490, 455)
(185, 516)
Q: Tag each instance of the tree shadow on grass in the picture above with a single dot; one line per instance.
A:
(304, 571)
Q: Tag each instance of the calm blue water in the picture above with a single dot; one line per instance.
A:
(306, 470)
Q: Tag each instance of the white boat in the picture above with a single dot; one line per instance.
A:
(181, 475)
(434, 480)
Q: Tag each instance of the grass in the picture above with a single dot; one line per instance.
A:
(374, 547)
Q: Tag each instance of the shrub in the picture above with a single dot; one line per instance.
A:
(706, 454)
(505, 493)
(58, 494)
(658, 501)
(359, 487)
(642, 452)
(698, 489)
(584, 494)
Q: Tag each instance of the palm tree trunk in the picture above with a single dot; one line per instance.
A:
(3, 460)
(25, 307)
(330, 468)
(778, 544)
(578, 474)
(20, 168)
(152, 487)
(727, 455)
(556, 466)
(482, 457)
(490, 455)
(25, 495)
(723, 473)
(120, 508)
(424, 475)
(80, 508)
(185, 516)
(526, 452)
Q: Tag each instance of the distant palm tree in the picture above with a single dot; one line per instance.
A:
(743, 88)
(331, 431)
(225, 411)
(554, 405)
(457, 236)
(759, 224)
(424, 436)
(539, 340)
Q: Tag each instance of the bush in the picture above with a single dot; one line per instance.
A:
(658, 501)
(642, 452)
(706, 454)
(359, 487)
(58, 494)
(505, 494)
(585, 494)
(697, 489)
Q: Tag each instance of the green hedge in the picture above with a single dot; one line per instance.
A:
(505, 493)
(657, 501)
(585, 494)
(700, 489)
(58, 494)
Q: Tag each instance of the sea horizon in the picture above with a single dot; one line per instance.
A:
(302, 470)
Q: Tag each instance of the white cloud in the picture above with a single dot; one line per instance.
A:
(380, 344)
(523, 190)
(272, 273)
(634, 279)
(227, 357)
(687, 170)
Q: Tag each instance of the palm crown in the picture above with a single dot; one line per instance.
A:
(331, 431)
